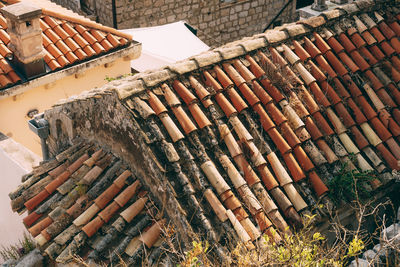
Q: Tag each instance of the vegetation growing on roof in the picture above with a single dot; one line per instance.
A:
(16, 251)
(348, 185)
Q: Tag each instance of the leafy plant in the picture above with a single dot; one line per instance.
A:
(350, 185)
(197, 256)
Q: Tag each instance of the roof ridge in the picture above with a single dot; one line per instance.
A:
(141, 81)
(85, 22)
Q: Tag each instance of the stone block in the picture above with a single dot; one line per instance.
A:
(32, 259)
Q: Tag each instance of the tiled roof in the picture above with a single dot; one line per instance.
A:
(275, 116)
(66, 41)
(87, 199)
(260, 126)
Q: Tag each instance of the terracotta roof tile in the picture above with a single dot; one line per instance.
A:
(303, 107)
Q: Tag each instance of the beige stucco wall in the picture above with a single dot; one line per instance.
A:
(14, 109)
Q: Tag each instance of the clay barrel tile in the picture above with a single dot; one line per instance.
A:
(280, 198)
(248, 94)
(92, 175)
(336, 122)
(251, 229)
(279, 170)
(253, 152)
(267, 177)
(336, 64)
(150, 237)
(290, 137)
(290, 55)
(300, 51)
(377, 34)
(109, 211)
(255, 67)
(233, 173)
(279, 141)
(272, 90)
(389, 158)
(319, 187)
(296, 104)
(224, 104)
(334, 43)
(325, 66)
(262, 221)
(348, 143)
(199, 116)
(183, 92)
(216, 205)
(229, 140)
(227, 194)
(322, 124)
(130, 213)
(249, 175)
(223, 78)
(303, 134)
(233, 74)
(38, 227)
(275, 114)
(348, 62)
(370, 134)
(374, 98)
(368, 56)
(184, 120)
(78, 163)
(86, 216)
(108, 195)
(294, 120)
(326, 151)
(311, 48)
(170, 97)
(308, 100)
(209, 81)
(313, 129)
(36, 200)
(321, 44)
(250, 200)
(265, 120)
(376, 52)
(57, 171)
(328, 90)
(214, 177)
(305, 74)
(241, 232)
(276, 57)
(121, 179)
(295, 197)
(380, 129)
(244, 72)
(232, 203)
(239, 128)
(92, 227)
(368, 38)
(127, 194)
(171, 127)
(236, 99)
(31, 218)
(303, 159)
(156, 104)
(294, 168)
(95, 157)
(360, 61)
(316, 72)
(52, 186)
(264, 97)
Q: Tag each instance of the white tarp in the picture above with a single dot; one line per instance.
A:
(165, 44)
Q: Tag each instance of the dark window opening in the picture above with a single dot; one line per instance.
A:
(303, 3)
(28, 23)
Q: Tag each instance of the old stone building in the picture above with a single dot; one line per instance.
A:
(233, 144)
(217, 21)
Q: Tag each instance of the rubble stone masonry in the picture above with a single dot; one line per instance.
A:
(217, 21)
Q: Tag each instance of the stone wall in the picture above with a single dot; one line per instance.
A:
(217, 21)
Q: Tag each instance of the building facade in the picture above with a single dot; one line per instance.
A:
(217, 21)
